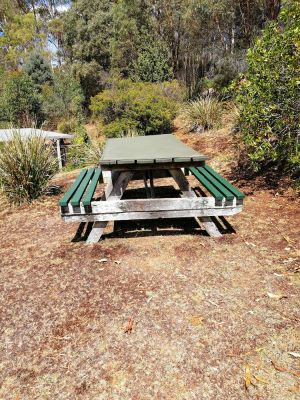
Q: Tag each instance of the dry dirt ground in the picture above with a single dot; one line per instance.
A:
(144, 314)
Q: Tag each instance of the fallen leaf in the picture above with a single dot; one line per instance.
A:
(260, 379)
(129, 326)
(294, 354)
(276, 296)
(196, 320)
(283, 369)
(247, 377)
(102, 260)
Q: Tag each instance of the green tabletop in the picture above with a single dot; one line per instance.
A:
(156, 149)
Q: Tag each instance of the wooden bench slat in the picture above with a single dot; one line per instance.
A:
(237, 193)
(75, 201)
(70, 192)
(92, 187)
(222, 188)
(206, 183)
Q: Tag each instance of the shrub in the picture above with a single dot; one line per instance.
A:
(67, 125)
(73, 127)
(92, 152)
(20, 101)
(202, 114)
(26, 166)
(83, 155)
(139, 106)
(153, 63)
(38, 69)
(63, 99)
(268, 96)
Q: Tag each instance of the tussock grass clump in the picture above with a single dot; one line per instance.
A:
(93, 152)
(202, 114)
(26, 166)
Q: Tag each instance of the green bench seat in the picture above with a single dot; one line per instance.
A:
(82, 189)
(216, 185)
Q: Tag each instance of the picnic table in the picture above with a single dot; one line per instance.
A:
(147, 158)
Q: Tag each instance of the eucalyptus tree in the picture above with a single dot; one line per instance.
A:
(87, 27)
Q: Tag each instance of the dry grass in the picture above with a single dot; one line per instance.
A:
(198, 307)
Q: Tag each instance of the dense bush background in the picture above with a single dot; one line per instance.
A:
(140, 107)
(124, 63)
(269, 95)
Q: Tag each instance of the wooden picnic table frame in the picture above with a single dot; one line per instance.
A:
(117, 174)
(113, 208)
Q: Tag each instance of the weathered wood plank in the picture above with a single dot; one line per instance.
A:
(109, 178)
(180, 179)
(144, 167)
(96, 232)
(151, 179)
(125, 216)
(152, 204)
(210, 227)
(120, 185)
(115, 194)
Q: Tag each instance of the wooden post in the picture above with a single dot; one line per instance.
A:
(113, 191)
(58, 154)
(187, 191)
(151, 184)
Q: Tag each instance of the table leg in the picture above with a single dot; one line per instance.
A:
(151, 184)
(96, 232)
(187, 191)
(114, 191)
(109, 179)
(146, 186)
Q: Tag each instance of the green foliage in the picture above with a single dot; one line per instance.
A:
(86, 36)
(38, 69)
(202, 114)
(268, 96)
(139, 106)
(20, 101)
(153, 63)
(62, 99)
(93, 152)
(67, 125)
(83, 155)
(74, 127)
(20, 38)
(26, 166)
